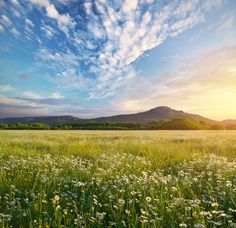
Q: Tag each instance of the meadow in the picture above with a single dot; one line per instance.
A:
(118, 179)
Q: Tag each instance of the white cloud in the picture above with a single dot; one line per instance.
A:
(130, 5)
(61, 58)
(42, 3)
(15, 2)
(70, 78)
(32, 95)
(1, 28)
(64, 20)
(48, 30)
(6, 88)
(5, 21)
(117, 35)
(130, 32)
(15, 32)
(56, 95)
(29, 22)
(16, 13)
(88, 7)
(66, 2)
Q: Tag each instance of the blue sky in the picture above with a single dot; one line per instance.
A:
(98, 58)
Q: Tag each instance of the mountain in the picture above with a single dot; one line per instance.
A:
(50, 120)
(156, 114)
(229, 122)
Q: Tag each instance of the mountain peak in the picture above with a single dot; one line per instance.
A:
(162, 108)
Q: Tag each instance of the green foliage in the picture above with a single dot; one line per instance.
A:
(3, 126)
(173, 124)
(92, 122)
(180, 124)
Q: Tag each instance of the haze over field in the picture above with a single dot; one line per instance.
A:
(103, 58)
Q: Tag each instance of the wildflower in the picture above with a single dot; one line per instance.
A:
(174, 189)
(144, 212)
(215, 205)
(148, 199)
(57, 197)
(13, 186)
(182, 225)
(65, 211)
(198, 225)
(127, 211)
(99, 215)
(188, 208)
(80, 184)
(121, 201)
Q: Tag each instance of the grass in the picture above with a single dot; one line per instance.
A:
(118, 179)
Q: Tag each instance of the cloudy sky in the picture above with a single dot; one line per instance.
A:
(103, 57)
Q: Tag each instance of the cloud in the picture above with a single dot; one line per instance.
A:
(70, 78)
(29, 22)
(110, 37)
(42, 3)
(129, 31)
(58, 58)
(1, 28)
(64, 20)
(2, 4)
(16, 13)
(24, 106)
(48, 30)
(6, 88)
(5, 21)
(61, 18)
(15, 32)
(56, 95)
(21, 107)
(15, 2)
(103, 39)
(207, 87)
(227, 22)
(18, 106)
(31, 95)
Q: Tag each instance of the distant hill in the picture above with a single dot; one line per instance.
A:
(229, 122)
(156, 114)
(50, 120)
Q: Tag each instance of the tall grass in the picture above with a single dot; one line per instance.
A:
(117, 179)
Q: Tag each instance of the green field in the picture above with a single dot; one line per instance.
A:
(118, 179)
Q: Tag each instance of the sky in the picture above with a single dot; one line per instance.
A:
(106, 57)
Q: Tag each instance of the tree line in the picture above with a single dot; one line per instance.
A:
(174, 124)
